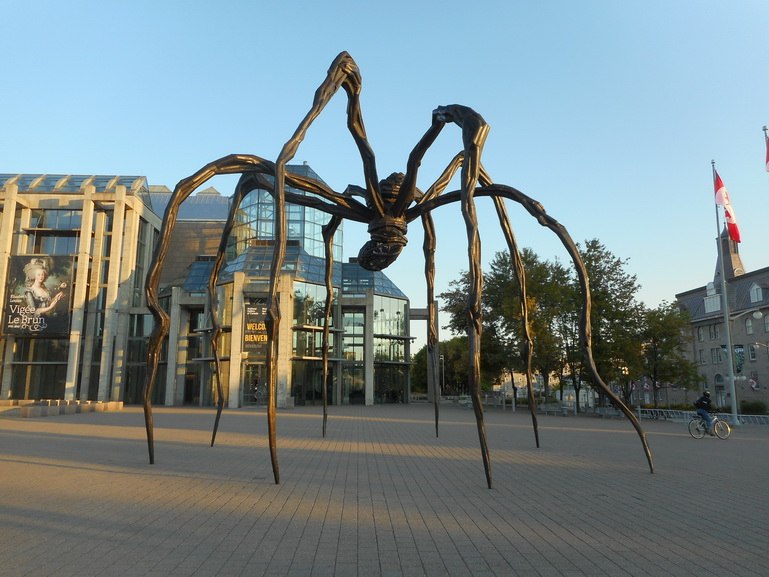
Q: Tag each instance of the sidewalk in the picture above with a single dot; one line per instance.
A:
(379, 496)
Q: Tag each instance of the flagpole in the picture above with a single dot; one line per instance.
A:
(727, 323)
(766, 141)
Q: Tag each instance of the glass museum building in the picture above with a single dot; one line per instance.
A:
(74, 253)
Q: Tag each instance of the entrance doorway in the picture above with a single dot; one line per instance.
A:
(254, 387)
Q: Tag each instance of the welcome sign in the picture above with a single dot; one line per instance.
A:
(255, 329)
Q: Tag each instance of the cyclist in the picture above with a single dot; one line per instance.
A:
(703, 405)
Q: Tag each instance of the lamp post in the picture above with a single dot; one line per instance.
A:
(757, 314)
(443, 378)
(755, 385)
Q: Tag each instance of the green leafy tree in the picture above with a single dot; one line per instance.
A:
(555, 308)
(547, 286)
(419, 371)
(455, 354)
(665, 337)
(495, 358)
(616, 316)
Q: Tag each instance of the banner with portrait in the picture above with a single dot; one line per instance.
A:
(38, 298)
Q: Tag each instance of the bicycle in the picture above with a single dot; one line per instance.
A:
(698, 428)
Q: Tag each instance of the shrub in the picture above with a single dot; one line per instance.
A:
(753, 408)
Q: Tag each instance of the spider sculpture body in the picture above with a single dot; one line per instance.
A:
(387, 206)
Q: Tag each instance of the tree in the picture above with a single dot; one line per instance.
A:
(616, 316)
(419, 371)
(495, 357)
(547, 286)
(455, 354)
(554, 306)
(665, 336)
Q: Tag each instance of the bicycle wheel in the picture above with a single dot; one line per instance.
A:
(696, 428)
(722, 429)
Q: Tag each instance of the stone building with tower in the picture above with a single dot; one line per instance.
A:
(747, 296)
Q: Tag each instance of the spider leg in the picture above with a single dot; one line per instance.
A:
(428, 247)
(434, 192)
(338, 205)
(343, 73)
(538, 212)
(520, 273)
(474, 132)
(409, 184)
(245, 185)
(328, 238)
(443, 180)
(231, 164)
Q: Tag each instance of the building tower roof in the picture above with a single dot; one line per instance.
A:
(732, 261)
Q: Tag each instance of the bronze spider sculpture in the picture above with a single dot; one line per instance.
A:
(387, 207)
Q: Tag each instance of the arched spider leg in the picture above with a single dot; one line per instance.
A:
(433, 192)
(328, 239)
(538, 212)
(248, 182)
(343, 73)
(230, 164)
(338, 205)
(428, 249)
(520, 273)
(474, 132)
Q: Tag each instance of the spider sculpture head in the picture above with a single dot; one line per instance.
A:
(388, 232)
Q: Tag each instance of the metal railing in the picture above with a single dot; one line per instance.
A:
(680, 415)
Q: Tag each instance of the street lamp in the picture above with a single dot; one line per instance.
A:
(443, 378)
(757, 314)
(757, 344)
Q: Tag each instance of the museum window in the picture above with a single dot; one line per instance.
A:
(39, 368)
(140, 328)
(53, 232)
(310, 304)
(390, 331)
(353, 338)
(255, 222)
(140, 270)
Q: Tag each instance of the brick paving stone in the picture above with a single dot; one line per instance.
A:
(380, 495)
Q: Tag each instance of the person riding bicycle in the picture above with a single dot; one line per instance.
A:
(704, 405)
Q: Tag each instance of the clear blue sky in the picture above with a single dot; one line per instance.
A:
(607, 112)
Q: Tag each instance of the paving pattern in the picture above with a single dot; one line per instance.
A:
(380, 495)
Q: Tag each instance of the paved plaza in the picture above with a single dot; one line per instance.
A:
(380, 495)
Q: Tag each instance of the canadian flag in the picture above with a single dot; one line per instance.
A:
(722, 199)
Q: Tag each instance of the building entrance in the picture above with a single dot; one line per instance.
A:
(254, 386)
